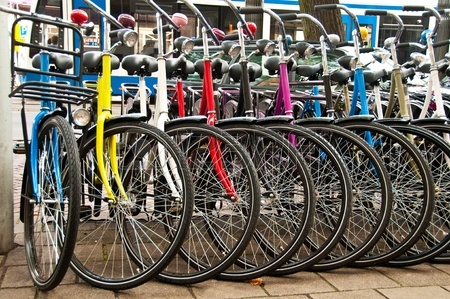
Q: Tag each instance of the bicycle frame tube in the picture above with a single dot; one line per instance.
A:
(207, 107)
(104, 113)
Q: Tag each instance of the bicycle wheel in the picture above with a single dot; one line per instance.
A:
(371, 195)
(333, 196)
(412, 184)
(130, 240)
(51, 216)
(436, 237)
(287, 202)
(220, 228)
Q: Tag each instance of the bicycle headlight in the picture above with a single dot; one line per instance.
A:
(81, 117)
(184, 44)
(231, 48)
(265, 46)
(128, 37)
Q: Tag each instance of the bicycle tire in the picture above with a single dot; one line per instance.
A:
(441, 128)
(129, 242)
(51, 220)
(436, 237)
(287, 202)
(333, 192)
(220, 229)
(410, 174)
(371, 198)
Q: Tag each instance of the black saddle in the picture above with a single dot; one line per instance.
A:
(63, 62)
(138, 64)
(342, 76)
(305, 70)
(254, 71)
(272, 65)
(179, 67)
(92, 61)
(219, 67)
(373, 76)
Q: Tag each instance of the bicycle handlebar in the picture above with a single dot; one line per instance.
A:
(198, 14)
(158, 9)
(430, 10)
(235, 11)
(399, 21)
(296, 16)
(348, 11)
(104, 14)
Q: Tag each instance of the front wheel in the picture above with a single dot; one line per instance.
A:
(51, 212)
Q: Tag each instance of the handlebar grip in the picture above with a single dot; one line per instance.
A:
(198, 41)
(343, 44)
(403, 45)
(165, 28)
(413, 8)
(288, 16)
(114, 33)
(441, 43)
(251, 10)
(372, 12)
(325, 7)
(366, 50)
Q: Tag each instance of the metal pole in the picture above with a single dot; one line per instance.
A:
(6, 158)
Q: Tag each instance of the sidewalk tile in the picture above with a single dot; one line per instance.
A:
(155, 290)
(78, 291)
(299, 283)
(415, 276)
(359, 294)
(345, 279)
(16, 257)
(17, 276)
(22, 293)
(416, 293)
(216, 289)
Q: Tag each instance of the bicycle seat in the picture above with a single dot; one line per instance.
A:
(305, 70)
(62, 61)
(254, 71)
(92, 61)
(272, 65)
(138, 64)
(179, 67)
(219, 67)
(373, 76)
(341, 76)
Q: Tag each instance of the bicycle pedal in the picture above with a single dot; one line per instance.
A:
(19, 148)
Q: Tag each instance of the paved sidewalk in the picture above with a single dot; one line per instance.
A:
(422, 281)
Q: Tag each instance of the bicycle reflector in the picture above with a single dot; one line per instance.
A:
(81, 117)
(184, 44)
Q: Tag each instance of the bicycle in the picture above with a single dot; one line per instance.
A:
(51, 183)
(227, 192)
(382, 138)
(137, 189)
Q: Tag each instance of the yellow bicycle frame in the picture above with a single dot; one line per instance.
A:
(104, 112)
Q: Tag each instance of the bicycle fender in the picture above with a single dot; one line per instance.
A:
(236, 120)
(55, 112)
(187, 119)
(314, 120)
(274, 120)
(137, 117)
(392, 121)
(429, 121)
(366, 118)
